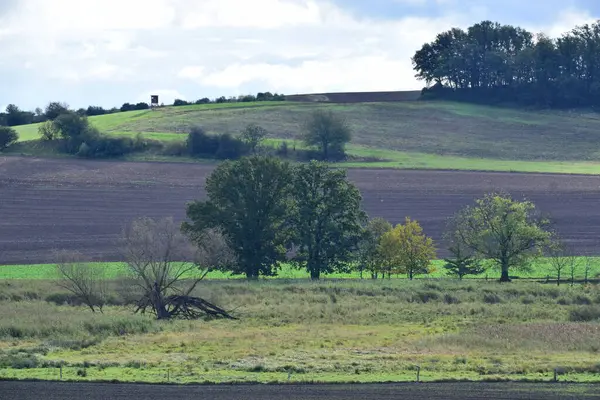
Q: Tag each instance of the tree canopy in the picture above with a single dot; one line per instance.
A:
(249, 200)
(327, 132)
(326, 217)
(494, 63)
(503, 230)
(407, 250)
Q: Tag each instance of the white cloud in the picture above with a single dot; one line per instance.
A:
(197, 48)
(567, 20)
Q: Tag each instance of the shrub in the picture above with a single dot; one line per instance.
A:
(283, 149)
(204, 100)
(230, 148)
(175, 148)
(584, 314)
(106, 147)
(95, 110)
(491, 298)
(200, 143)
(179, 102)
(427, 296)
(450, 299)
(8, 137)
(49, 131)
(582, 300)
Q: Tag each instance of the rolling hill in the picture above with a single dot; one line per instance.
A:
(394, 134)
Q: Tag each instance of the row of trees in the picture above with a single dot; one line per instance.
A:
(494, 62)
(13, 115)
(261, 212)
(324, 133)
(310, 215)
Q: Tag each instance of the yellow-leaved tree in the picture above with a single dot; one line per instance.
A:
(407, 250)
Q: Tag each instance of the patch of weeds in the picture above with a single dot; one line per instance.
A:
(19, 361)
(582, 300)
(563, 301)
(491, 298)
(529, 299)
(134, 364)
(427, 296)
(584, 313)
(450, 299)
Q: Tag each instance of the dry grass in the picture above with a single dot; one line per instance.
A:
(335, 330)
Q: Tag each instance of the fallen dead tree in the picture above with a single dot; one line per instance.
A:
(166, 268)
(186, 307)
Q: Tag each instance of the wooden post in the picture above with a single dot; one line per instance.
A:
(61, 371)
(418, 373)
(289, 375)
(555, 375)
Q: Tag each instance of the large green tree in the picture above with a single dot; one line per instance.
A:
(463, 260)
(327, 132)
(407, 250)
(326, 217)
(249, 200)
(506, 231)
(368, 256)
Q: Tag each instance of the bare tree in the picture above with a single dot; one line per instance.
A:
(166, 267)
(562, 260)
(587, 270)
(86, 282)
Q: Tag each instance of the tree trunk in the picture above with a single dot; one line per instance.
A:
(504, 275)
(159, 303)
(558, 279)
(410, 274)
(315, 274)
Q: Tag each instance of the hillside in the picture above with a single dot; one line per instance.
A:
(405, 134)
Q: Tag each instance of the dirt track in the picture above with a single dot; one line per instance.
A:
(72, 204)
(51, 391)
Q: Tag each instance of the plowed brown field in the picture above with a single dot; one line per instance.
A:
(50, 204)
(410, 391)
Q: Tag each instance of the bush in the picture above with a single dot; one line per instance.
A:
(584, 314)
(179, 102)
(95, 110)
(8, 137)
(48, 131)
(175, 148)
(230, 148)
(132, 107)
(108, 147)
(200, 143)
(283, 149)
(204, 100)
(491, 298)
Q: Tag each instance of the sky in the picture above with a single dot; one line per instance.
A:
(108, 52)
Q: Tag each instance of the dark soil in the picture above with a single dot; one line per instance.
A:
(95, 391)
(48, 204)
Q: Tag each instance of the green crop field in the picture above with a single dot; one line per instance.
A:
(418, 134)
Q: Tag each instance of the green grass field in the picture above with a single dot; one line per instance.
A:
(343, 331)
(539, 270)
(415, 135)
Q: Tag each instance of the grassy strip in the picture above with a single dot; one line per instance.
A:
(540, 269)
(407, 160)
